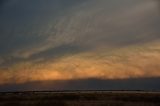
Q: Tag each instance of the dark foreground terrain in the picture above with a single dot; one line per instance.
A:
(80, 98)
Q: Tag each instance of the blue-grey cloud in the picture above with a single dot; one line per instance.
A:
(28, 25)
(76, 37)
(144, 84)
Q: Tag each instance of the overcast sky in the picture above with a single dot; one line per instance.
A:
(107, 40)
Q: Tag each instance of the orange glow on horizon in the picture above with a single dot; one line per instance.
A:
(130, 65)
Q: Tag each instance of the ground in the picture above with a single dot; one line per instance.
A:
(80, 98)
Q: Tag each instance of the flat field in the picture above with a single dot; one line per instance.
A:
(80, 98)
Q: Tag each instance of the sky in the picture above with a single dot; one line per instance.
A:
(79, 44)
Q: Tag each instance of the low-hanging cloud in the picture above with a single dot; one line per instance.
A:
(79, 40)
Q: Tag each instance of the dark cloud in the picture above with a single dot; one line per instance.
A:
(146, 84)
(100, 34)
(25, 24)
(51, 54)
(60, 51)
(2, 2)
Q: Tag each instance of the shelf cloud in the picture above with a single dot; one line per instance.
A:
(75, 40)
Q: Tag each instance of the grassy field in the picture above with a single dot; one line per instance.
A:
(80, 98)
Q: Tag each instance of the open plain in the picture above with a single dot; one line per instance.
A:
(80, 98)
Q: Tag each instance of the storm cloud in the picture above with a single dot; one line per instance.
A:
(70, 39)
